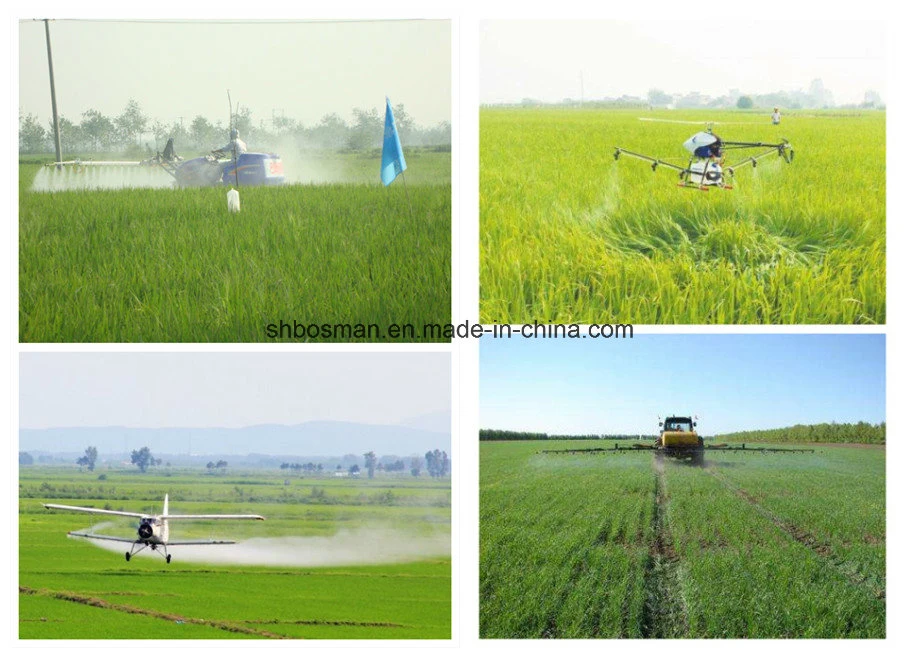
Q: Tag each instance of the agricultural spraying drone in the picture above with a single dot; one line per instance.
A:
(153, 530)
(679, 439)
(707, 165)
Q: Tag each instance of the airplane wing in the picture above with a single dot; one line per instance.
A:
(182, 517)
(107, 537)
(95, 510)
(90, 535)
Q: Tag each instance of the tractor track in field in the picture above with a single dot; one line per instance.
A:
(664, 614)
(820, 548)
(326, 622)
(95, 602)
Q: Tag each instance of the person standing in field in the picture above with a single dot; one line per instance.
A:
(776, 116)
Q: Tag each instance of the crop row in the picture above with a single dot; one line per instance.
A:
(589, 545)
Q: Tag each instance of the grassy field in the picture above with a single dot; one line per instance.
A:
(627, 545)
(172, 265)
(570, 235)
(70, 588)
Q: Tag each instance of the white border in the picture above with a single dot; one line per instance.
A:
(466, 16)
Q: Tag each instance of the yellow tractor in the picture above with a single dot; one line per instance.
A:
(678, 438)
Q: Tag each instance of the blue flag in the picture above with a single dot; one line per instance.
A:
(393, 162)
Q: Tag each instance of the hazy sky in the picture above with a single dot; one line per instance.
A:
(733, 382)
(183, 69)
(228, 390)
(546, 60)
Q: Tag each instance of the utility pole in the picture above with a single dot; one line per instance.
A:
(53, 95)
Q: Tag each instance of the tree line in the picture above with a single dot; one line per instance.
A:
(437, 462)
(133, 131)
(507, 435)
(861, 432)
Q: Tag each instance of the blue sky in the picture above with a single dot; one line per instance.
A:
(732, 382)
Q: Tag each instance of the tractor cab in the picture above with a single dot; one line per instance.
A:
(679, 438)
(678, 424)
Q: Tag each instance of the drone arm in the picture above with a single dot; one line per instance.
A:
(750, 145)
(654, 161)
(754, 158)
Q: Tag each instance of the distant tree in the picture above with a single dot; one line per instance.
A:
(143, 459)
(370, 463)
(32, 135)
(161, 132)
(872, 99)
(26, 459)
(283, 125)
(657, 97)
(99, 129)
(72, 137)
(179, 134)
(745, 103)
(437, 463)
(405, 125)
(355, 470)
(416, 465)
(244, 123)
(221, 464)
(131, 123)
(367, 131)
(210, 466)
(203, 134)
(331, 133)
(89, 458)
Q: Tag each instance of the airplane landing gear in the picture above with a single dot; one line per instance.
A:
(169, 557)
(128, 556)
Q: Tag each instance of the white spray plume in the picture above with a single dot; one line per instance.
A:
(367, 545)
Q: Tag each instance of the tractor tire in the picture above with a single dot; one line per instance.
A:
(697, 457)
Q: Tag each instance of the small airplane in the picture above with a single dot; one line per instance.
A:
(707, 167)
(153, 531)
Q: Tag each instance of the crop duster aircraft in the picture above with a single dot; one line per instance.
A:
(153, 531)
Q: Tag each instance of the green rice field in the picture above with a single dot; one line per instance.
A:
(172, 265)
(630, 545)
(568, 234)
(312, 589)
